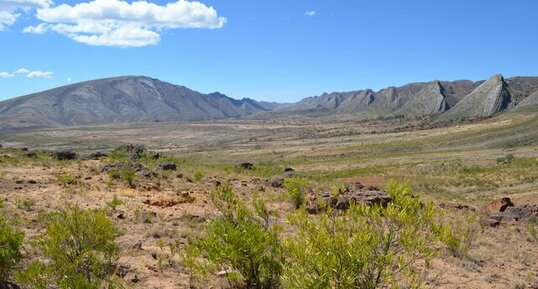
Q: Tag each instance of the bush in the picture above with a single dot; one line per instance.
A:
(10, 244)
(125, 173)
(67, 180)
(240, 241)
(532, 227)
(460, 233)
(198, 176)
(296, 188)
(114, 203)
(364, 247)
(80, 251)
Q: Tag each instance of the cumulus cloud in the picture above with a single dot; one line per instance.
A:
(124, 24)
(22, 71)
(10, 10)
(39, 74)
(4, 74)
(27, 73)
(310, 13)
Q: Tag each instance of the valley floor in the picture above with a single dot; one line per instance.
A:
(467, 164)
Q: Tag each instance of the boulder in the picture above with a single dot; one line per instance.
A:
(167, 166)
(275, 182)
(97, 155)
(246, 166)
(32, 155)
(65, 155)
(497, 205)
(135, 151)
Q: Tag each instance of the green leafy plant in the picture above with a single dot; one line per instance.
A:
(125, 173)
(114, 203)
(240, 241)
(10, 247)
(296, 189)
(364, 247)
(532, 227)
(198, 175)
(67, 180)
(80, 249)
(460, 233)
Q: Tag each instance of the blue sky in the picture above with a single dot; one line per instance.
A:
(277, 50)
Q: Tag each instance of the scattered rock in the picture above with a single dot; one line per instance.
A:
(318, 203)
(289, 170)
(33, 182)
(137, 167)
(491, 222)
(155, 155)
(65, 155)
(167, 166)
(32, 155)
(246, 166)
(497, 205)
(275, 182)
(138, 245)
(97, 155)
(457, 206)
(135, 151)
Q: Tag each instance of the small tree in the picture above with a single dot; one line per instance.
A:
(240, 241)
(80, 248)
(10, 244)
(365, 247)
(296, 188)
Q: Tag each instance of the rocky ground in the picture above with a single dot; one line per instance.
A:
(167, 201)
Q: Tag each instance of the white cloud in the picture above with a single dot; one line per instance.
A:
(39, 74)
(5, 74)
(310, 13)
(27, 73)
(10, 10)
(21, 71)
(124, 24)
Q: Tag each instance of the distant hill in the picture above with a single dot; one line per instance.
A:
(121, 100)
(143, 99)
(445, 100)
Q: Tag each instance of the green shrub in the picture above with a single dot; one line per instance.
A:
(115, 202)
(296, 188)
(10, 244)
(125, 173)
(533, 229)
(80, 251)
(240, 241)
(67, 180)
(198, 175)
(364, 247)
(460, 233)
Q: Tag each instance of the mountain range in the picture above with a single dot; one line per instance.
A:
(142, 99)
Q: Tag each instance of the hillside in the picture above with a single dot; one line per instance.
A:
(121, 100)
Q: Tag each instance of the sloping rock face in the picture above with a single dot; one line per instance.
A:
(357, 101)
(488, 99)
(530, 101)
(428, 101)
